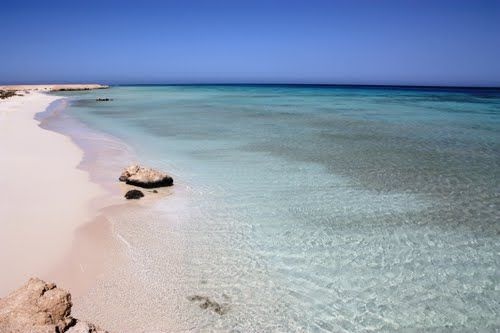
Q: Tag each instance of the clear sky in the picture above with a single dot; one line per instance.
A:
(210, 41)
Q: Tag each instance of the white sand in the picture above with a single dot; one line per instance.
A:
(44, 198)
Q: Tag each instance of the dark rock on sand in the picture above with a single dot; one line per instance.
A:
(78, 87)
(40, 307)
(7, 93)
(206, 303)
(84, 327)
(134, 194)
(145, 177)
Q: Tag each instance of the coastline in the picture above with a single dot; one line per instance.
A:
(99, 246)
(58, 236)
(141, 265)
(52, 87)
(103, 158)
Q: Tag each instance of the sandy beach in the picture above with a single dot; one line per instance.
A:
(44, 197)
(249, 166)
(253, 236)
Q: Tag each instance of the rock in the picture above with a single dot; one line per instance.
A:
(206, 303)
(39, 307)
(84, 327)
(134, 194)
(103, 99)
(145, 177)
(7, 93)
(77, 87)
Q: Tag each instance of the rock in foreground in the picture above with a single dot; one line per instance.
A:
(40, 307)
(134, 194)
(145, 177)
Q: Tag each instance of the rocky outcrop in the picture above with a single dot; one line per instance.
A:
(77, 87)
(84, 327)
(7, 93)
(40, 307)
(134, 194)
(145, 177)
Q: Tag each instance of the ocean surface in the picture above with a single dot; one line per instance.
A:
(307, 208)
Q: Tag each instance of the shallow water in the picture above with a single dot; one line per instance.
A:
(307, 208)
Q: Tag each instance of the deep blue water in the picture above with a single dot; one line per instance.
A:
(314, 208)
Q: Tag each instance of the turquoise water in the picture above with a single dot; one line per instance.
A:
(313, 208)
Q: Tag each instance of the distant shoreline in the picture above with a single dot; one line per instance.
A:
(52, 87)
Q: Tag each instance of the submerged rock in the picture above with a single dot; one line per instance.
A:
(103, 99)
(134, 194)
(40, 307)
(206, 303)
(145, 177)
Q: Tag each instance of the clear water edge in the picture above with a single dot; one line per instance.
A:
(307, 209)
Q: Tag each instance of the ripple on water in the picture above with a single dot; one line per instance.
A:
(308, 210)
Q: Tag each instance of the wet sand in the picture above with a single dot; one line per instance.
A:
(96, 245)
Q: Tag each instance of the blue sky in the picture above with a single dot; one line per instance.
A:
(210, 41)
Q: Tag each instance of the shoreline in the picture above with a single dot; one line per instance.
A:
(52, 87)
(103, 158)
(143, 265)
(103, 245)
(60, 242)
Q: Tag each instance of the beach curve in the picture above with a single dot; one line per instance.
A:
(45, 197)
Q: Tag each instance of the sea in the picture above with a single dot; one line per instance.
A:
(301, 208)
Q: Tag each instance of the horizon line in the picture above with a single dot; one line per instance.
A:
(370, 85)
(374, 85)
